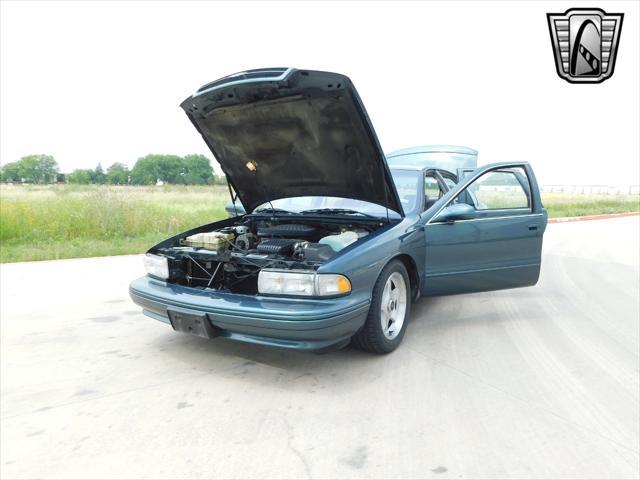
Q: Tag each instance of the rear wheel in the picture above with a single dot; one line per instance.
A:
(390, 306)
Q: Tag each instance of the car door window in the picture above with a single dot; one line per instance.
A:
(501, 190)
(407, 183)
(431, 187)
(432, 190)
(450, 182)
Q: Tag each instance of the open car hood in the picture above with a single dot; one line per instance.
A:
(281, 133)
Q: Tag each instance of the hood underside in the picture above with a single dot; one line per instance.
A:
(283, 133)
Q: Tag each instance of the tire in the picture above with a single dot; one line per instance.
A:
(388, 310)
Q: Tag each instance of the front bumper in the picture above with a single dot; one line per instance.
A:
(300, 323)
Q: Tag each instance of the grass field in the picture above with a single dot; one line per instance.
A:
(66, 221)
(40, 223)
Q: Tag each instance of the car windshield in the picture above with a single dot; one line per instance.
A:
(406, 182)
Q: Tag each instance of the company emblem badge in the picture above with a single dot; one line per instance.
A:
(585, 43)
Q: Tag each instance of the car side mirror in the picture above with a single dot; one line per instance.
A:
(456, 211)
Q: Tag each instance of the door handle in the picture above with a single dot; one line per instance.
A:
(533, 227)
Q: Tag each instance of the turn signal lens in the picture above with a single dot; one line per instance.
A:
(344, 285)
(329, 284)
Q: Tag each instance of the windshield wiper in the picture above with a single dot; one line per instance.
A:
(274, 210)
(340, 211)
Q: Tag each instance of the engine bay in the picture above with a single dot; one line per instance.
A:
(230, 258)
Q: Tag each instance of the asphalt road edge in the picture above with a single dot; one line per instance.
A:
(591, 217)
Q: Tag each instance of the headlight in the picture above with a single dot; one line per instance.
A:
(279, 282)
(156, 266)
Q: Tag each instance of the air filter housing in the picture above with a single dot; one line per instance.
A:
(277, 246)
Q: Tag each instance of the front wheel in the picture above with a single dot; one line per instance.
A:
(390, 306)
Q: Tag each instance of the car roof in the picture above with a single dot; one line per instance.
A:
(416, 168)
(433, 149)
(443, 157)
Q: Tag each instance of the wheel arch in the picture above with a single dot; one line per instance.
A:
(412, 269)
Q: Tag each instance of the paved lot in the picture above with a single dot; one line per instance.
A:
(540, 382)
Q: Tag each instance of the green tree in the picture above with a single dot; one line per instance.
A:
(197, 170)
(98, 175)
(118, 174)
(79, 175)
(11, 172)
(33, 168)
(153, 167)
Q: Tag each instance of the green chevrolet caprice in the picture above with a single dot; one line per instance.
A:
(330, 241)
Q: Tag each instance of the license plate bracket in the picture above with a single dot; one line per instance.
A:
(193, 323)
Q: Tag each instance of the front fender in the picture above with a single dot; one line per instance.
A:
(363, 261)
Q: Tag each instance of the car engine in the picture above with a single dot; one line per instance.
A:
(230, 258)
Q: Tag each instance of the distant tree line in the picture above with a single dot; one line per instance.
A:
(148, 170)
(32, 169)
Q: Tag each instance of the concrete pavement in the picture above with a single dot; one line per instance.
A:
(541, 382)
